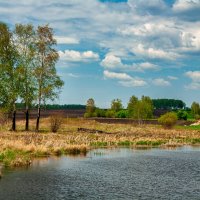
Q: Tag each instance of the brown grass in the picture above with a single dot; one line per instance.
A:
(69, 141)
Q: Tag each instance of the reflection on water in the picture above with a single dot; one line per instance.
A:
(109, 174)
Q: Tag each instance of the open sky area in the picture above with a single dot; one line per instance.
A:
(118, 48)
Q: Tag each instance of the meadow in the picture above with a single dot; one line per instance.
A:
(79, 135)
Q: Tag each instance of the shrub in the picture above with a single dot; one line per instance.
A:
(56, 122)
(100, 112)
(122, 114)
(182, 115)
(110, 113)
(168, 120)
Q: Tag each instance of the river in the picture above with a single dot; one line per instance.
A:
(108, 174)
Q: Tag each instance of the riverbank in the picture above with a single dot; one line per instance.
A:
(77, 136)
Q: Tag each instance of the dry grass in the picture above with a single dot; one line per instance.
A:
(69, 141)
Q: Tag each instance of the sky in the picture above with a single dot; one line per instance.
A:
(118, 48)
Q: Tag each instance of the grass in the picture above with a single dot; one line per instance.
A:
(19, 148)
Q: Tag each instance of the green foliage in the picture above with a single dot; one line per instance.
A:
(195, 110)
(140, 109)
(168, 104)
(100, 112)
(116, 105)
(182, 115)
(110, 114)
(168, 120)
(122, 114)
(90, 108)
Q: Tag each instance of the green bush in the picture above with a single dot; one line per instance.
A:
(110, 114)
(182, 115)
(100, 112)
(168, 120)
(122, 114)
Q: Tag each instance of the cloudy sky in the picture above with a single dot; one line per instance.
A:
(118, 48)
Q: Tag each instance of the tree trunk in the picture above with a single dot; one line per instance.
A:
(38, 119)
(14, 121)
(27, 120)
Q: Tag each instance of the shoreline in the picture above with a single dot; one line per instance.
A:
(20, 148)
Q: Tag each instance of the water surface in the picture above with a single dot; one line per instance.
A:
(108, 174)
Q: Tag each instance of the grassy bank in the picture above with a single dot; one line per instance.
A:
(19, 148)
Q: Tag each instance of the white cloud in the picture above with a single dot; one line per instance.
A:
(144, 66)
(184, 5)
(76, 56)
(66, 40)
(135, 82)
(161, 82)
(194, 75)
(125, 79)
(114, 62)
(152, 53)
(114, 75)
(111, 61)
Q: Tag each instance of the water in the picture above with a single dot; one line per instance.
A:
(108, 174)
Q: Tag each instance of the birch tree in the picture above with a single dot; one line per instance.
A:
(48, 82)
(9, 72)
(24, 41)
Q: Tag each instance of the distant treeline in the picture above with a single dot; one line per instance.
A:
(168, 104)
(55, 106)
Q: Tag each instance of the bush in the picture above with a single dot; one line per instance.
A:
(110, 113)
(182, 115)
(168, 120)
(56, 122)
(122, 114)
(100, 112)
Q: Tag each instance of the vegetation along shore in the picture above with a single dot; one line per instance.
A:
(77, 136)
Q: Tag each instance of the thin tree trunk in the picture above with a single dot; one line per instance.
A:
(39, 110)
(27, 119)
(38, 119)
(14, 119)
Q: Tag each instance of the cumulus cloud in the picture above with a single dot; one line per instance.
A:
(125, 79)
(114, 62)
(185, 5)
(135, 82)
(152, 53)
(114, 75)
(194, 75)
(161, 82)
(76, 56)
(66, 40)
(111, 61)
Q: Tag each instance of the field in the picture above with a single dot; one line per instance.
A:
(78, 135)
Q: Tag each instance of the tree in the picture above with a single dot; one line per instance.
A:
(140, 109)
(90, 108)
(48, 82)
(147, 106)
(195, 108)
(10, 79)
(24, 41)
(132, 106)
(116, 105)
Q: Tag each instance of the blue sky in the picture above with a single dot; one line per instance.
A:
(115, 49)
